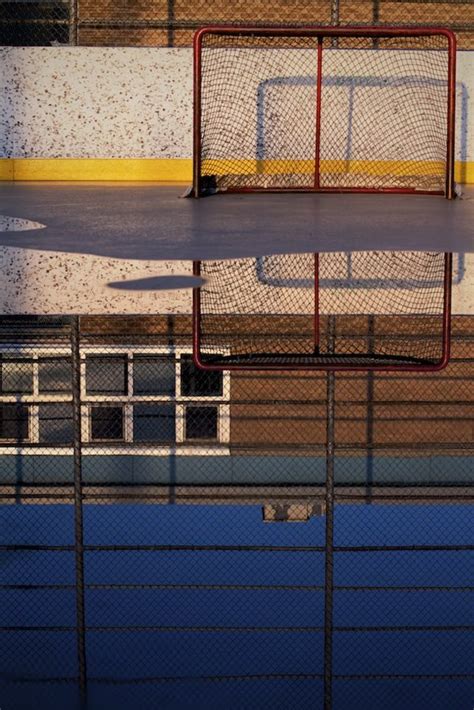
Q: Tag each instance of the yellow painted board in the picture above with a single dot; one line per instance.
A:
(103, 169)
(464, 172)
(6, 169)
(306, 167)
(179, 170)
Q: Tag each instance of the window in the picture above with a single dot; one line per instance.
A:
(106, 375)
(106, 423)
(14, 423)
(201, 423)
(144, 396)
(54, 375)
(55, 423)
(153, 375)
(16, 376)
(197, 383)
(154, 423)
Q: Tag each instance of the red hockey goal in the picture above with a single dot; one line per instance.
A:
(324, 109)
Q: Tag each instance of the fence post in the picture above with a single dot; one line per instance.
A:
(73, 22)
(375, 12)
(329, 541)
(78, 509)
(171, 20)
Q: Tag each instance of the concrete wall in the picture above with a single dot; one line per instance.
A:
(438, 470)
(95, 102)
(87, 102)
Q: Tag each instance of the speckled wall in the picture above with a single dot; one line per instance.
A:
(91, 102)
(36, 282)
(95, 102)
(79, 102)
(40, 283)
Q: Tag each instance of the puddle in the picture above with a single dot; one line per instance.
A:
(17, 224)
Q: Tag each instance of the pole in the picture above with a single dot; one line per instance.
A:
(73, 22)
(317, 150)
(171, 21)
(316, 328)
(78, 511)
(335, 13)
(375, 19)
(329, 556)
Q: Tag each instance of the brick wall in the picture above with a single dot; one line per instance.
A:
(287, 411)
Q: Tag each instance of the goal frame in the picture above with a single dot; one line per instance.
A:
(320, 33)
(317, 364)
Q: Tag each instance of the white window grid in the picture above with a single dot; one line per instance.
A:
(126, 401)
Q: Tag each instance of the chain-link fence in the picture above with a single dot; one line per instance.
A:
(36, 22)
(160, 23)
(174, 538)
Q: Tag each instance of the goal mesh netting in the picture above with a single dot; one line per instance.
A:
(282, 110)
(389, 310)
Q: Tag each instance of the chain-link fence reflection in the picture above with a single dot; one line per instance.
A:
(252, 539)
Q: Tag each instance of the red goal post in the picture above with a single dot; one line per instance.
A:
(324, 109)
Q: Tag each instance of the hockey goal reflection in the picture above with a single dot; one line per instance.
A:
(384, 310)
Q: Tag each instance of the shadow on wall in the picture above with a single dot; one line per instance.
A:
(353, 84)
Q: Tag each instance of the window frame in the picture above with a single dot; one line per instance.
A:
(181, 446)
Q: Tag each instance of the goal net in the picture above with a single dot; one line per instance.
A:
(361, 310)
(324, 109)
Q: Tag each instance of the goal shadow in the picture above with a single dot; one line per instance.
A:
(352, 84)
(269, 273)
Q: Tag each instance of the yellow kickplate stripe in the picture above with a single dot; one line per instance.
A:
(179, 170)
(6, 169)
(464, 171)
(101, 169)
(334, 167)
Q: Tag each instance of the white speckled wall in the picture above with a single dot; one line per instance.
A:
(80, 102)
(40, 283)
(67, 102)
(91, 102)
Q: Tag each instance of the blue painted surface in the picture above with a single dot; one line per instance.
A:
(124, 654)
